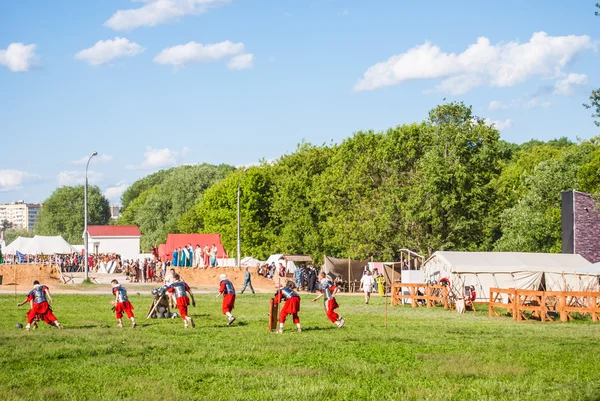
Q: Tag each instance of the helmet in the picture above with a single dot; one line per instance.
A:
(223, 276)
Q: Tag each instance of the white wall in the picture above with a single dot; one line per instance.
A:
(127, 247)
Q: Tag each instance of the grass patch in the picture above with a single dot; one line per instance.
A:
(424, 354)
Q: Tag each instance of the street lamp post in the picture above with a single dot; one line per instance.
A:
(239, 252)
(85, 219)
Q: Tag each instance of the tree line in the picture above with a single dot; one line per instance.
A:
(446, 183)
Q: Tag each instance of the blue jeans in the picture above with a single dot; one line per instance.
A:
(247, 283)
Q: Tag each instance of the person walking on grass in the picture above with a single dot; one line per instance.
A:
(40, 309)
(228, 291)
(122, 304)
(366, 284)
(290, 307)
(247, 281)
(329, 291)
(180, 289)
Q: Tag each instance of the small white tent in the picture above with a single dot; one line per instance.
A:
(485, 270)
(40, 245)
(20, 244)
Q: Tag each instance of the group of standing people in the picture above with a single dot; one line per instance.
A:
(370, 282)
(198, 257)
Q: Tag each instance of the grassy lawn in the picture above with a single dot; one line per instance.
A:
(423, 354)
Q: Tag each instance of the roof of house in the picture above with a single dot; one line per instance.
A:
(114, 231)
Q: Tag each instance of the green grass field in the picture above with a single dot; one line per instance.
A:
(424, 354)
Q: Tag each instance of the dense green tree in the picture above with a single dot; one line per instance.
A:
(159, 207)
(216, 212)
(451, 201)
(140, 186)
(533, 224)
(62, 213)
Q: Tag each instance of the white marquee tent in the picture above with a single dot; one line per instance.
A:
(40, 245)
(485, 270)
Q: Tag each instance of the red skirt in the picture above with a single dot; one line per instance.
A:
(228, 303)
(124, 307)
(291, 306)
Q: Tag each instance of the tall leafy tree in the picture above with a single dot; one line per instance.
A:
(63, 212)
(450, 201)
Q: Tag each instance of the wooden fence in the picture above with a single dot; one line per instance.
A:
(421, 294)
(544, 305)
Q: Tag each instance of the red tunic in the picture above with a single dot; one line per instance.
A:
(124, 307)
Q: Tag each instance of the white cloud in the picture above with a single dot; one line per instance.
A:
(536, 103)
(241, 62)
(501, 65)
(102, 158)
(185, 150)
(156, 158)
(192, 52)
(11, 180)
(156, 12)
(113, 194)
(19, 57)
(565, 86)
(499, 124)
(498, 105)
(107, 50)
(77, 177)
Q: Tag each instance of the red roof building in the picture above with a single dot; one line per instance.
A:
(122, 240)
(114, 231)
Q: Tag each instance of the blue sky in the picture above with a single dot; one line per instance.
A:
(155, 83)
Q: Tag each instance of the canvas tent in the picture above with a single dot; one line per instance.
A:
(347, 269)
(40, 245)
(533, 271)
(18, 245)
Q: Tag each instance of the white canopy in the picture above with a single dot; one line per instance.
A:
(40, 245)
(19, 244)
(290, 266)
(484, 270)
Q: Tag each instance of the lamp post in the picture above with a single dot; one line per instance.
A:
(239, 252)
(85, 219)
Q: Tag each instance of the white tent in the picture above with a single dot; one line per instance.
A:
(290, 266)
(44, 245)
(249, 261)
(485, 270)
(20, 244)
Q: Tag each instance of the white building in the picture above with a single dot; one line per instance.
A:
(23, 216)
(122, 240)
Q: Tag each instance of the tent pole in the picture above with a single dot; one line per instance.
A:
(348, 275)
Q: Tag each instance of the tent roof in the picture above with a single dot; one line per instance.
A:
(41, 244)
(297, 258)
(507, 262)
(114, 231)
(18, 244)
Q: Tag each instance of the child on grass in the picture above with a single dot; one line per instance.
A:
(180, 289)
(40, 309)
(228, 291)
(329, 291)
(122, 304)
(291, 306)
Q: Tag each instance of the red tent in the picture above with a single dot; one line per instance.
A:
(180, 240)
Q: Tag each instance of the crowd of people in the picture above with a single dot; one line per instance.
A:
(194, 257)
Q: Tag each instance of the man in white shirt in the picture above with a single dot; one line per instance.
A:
(366, 284)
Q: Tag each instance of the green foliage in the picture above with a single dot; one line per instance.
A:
(162, 200)
(63, 212)
(11, 235)
(140, 186)
(454, 357)
(533, 224)
(594, 104)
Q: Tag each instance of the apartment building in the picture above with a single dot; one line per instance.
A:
(23, 216)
